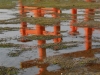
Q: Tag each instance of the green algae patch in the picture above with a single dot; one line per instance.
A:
(5, 4)
(8, 45)
(8, 70)
(10, 21)
(43, 21)
(59, 46)
(64, 4)
(41, 37)
(15, 53)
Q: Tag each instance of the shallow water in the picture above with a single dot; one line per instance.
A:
(5, 60)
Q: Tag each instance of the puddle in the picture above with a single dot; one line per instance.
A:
(76, 46)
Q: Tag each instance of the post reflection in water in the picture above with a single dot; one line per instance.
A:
(88, 31)
(40, 30)
(74, 20)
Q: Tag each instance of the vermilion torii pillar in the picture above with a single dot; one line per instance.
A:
(42, 55)
(88, 31)
(73, 30)
(88, 38)
(39, 28)
(57, 26)
(23, 24)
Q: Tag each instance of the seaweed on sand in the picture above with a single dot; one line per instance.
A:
(8, 70)
(5, 4)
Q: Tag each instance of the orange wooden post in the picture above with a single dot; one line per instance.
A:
(42, 51)
(23, 14)
(23, 24)
(57, 26)
(39, 31)
(42, 55)
(56, 32)
(90, 11)
(39, 28)
(74, 20)
(88, 38)
(55, 15)
(37, 13)
(88, 31)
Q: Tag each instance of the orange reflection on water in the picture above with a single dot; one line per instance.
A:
(74, 20)
(40, 30)
(88, 31)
